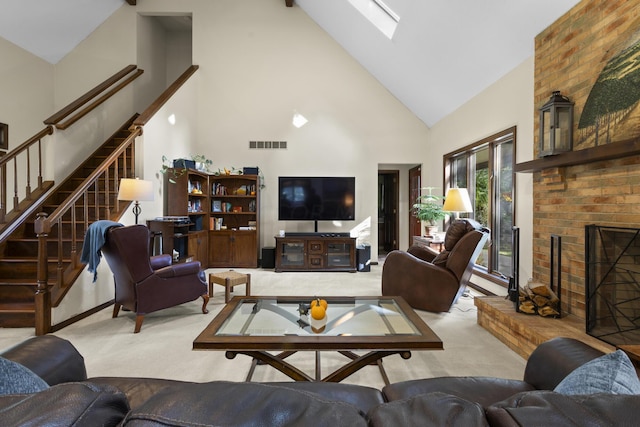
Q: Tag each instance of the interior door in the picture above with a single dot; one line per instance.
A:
(388, 184)
(415, 183)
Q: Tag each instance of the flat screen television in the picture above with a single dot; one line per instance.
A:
(316, 198)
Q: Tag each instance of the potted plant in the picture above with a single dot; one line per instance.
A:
(168, 167)
(428, 208)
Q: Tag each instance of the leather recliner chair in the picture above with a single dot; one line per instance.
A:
(145, 284)
(434, 281)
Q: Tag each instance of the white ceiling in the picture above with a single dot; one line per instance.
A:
(52, 28)
(442, 54)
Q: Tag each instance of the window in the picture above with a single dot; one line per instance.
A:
(379, 14)
(485, 168)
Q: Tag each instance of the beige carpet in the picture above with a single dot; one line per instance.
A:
(163, 347)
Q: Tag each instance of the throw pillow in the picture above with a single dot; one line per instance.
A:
(612, 373)
(18, 379)
(455, 232)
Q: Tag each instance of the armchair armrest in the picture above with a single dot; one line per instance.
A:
(424, 253)
(52, 358)
(159, 261)
(182, 269)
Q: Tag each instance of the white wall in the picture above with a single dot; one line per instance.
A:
(506, 103)
(26, 85)
(259, 61)
(179, 53)
(110, 48)
(26, 99)
(152, 58)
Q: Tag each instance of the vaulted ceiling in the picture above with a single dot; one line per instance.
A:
(443, 52)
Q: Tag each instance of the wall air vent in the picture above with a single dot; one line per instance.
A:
(259, 145)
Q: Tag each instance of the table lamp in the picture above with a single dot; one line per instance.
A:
(457, 200)
(135, 190)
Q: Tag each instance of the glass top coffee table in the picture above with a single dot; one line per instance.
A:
(256, 325)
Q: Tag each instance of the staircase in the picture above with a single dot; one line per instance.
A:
(19, 250)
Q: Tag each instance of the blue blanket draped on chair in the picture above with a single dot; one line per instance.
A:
(93, 241)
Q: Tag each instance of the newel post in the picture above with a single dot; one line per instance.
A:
(43, 296)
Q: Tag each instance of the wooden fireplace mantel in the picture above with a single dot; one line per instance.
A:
(611, 151)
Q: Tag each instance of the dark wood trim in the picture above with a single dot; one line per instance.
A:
(78, 317)
(480, 289)
(4, 136)
(131, 2)
(615, 150)
(289, 3)
(480, 272)
(99, 101)
(78, 103)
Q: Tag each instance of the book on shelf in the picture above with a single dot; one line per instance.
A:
(195, 206)
(215, 223)
(195, 187)
(219, 190)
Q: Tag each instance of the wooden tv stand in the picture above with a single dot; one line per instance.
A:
(316, 252)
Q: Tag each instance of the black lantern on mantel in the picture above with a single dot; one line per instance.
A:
(556, 125)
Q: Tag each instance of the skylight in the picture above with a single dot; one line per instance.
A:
(379, 14)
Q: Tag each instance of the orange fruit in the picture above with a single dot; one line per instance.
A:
(318, 312)
(318, 301)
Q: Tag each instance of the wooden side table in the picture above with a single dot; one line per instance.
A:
(229, 279)
(428, 242)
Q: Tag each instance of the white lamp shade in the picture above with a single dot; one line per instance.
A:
(457, 200)
(135, 189)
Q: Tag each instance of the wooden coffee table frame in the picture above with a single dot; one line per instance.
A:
(257, 347)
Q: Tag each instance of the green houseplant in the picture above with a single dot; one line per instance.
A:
(174, 173)
(428, 208)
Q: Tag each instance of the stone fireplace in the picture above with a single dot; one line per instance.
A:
(587, 54)
(599, 181)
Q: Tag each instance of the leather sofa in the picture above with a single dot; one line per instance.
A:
(74, 399)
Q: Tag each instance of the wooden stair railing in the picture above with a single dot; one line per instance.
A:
(92, 95)
(22, 154)
(103, 185)
(45, 297)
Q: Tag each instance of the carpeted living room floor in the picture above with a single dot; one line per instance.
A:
(163, 347)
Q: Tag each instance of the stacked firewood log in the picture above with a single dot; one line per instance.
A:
(538, 298)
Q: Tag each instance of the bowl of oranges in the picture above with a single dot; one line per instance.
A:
(318, 314)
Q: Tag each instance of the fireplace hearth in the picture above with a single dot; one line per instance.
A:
(613, 284)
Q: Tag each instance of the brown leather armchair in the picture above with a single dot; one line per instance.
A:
(434, 281)
(146, 284)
